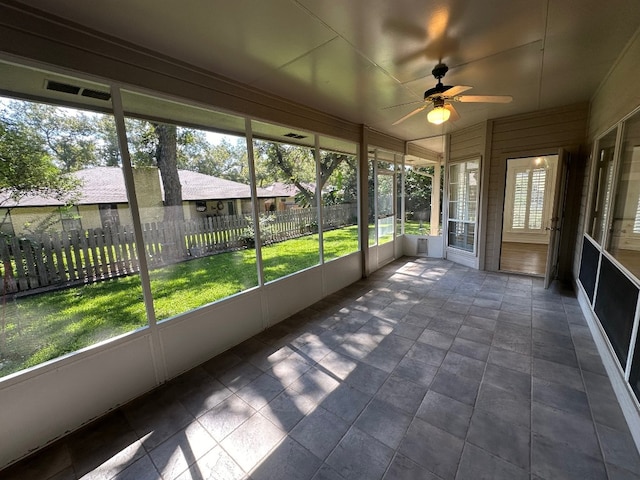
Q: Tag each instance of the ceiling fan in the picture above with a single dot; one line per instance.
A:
(441, 96)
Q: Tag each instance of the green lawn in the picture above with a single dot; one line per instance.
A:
(187, 285)
(42, 327)
(415, 227)
(281, 259)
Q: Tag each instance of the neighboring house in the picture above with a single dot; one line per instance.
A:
(285, 194)
(102, 201)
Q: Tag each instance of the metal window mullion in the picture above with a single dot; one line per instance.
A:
(375, 196)
(435, 205)
(358, 196)
(611, 200)
(145, 278)
(127, 171)
(255, 217)
(633, 341)
(403, 200)
(320, 216)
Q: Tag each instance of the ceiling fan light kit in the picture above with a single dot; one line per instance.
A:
(441, 96)
(438, 115)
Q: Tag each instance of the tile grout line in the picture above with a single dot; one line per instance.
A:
(396, 452)
(351, 424)
(342, 382)
(531, 369)
(593, 419)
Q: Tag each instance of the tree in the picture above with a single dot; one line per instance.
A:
(167, 162)
(289, 162)
(342, 185)
(295, 165)
(26, 168)
(418, 187)
(156, 144)
(224, 160)
(108, 150)
(141, 142)
(68, 135)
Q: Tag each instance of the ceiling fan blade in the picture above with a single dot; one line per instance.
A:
(410, 57)
(419, 109)
(404, 28)
(457, 90)
(454, 114)
(483, 98)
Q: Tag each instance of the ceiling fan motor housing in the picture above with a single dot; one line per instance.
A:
(440, 70)
(439, 89)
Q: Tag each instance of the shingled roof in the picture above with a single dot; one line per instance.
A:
(279, 189)
(106, 185)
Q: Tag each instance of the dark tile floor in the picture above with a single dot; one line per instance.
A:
(426, 370)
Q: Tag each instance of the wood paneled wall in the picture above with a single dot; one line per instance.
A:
(384, 141)
(467, 143)
(618, 95)
(537, 133)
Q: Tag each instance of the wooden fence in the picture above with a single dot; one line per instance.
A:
(60, 259)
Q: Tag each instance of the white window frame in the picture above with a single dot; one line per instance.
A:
(469, 216)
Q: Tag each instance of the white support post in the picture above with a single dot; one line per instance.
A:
(435, 200)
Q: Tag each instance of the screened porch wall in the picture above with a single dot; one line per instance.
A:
(44, 403)
(617, 97)
(88, 383)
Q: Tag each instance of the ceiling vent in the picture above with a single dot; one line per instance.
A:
(63, 87)
(76, 90)
(295, 135)
(87, 92)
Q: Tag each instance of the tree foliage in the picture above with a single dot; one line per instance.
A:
(67, 135)
(295, 165)
(44, 141)
(26, 167)
(290, 164)
(75, 139)
(418, 186)
(108, 147)
(224, 159)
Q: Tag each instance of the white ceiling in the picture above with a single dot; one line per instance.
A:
(369, 61)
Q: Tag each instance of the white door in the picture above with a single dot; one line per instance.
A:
(555, 222)
(528, 212)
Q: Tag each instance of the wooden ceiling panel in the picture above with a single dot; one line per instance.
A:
(243, 39)
(341, 80)
(369, 61)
